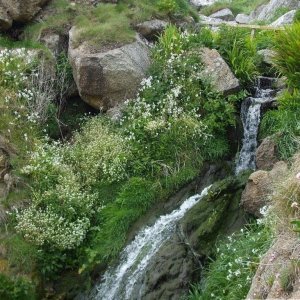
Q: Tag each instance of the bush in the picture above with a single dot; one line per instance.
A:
(16, 289)
(287, 58)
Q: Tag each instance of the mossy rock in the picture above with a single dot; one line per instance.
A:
(217, 213)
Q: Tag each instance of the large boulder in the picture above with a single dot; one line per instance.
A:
(20, 11)
(106, 78)
(216, 69)
(266, 154)
(223, 14)
(267, 11)
(286, 19)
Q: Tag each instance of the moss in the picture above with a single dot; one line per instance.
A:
(215, 214)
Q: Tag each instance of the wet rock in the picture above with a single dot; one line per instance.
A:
(169, 275)
(286, 19)
(223, 14)
(20, 11)
(219, 72)
(219, 212)
(243, 19)
(267, 11)
(179, 260)
(151, 29)
(256, 194)
(106, 78)
(266, 154)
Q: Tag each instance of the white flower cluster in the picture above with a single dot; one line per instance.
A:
(47, 227)
(99, 154)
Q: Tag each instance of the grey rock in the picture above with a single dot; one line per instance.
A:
(107, 78)
(223, 14)
(286, 19)
(266, 12)
(18, 10)
(216, 69)
(202, 3)
(273, 268)
(267, 55)
(151, 29)
(243, 19)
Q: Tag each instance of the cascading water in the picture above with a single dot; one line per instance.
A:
(126, 280)
(250, 115)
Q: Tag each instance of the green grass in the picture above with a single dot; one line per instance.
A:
(107, 23)
(287, 57)
(230, 273)
(237, 6)
(284, 124)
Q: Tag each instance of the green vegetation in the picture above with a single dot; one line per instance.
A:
(287, 57)
(230, 273)
(237, 6)
(284, 122)
(16, 289)
(86, 194)
(107, 24)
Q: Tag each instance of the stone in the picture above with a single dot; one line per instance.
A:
(223, 14)
(282, 257)
(106, 78)
(216, 69)
(202, 3)
(286, 19)
(256, 194)
(266, 154)
(267, 11)
(243, 19)
(151, 29)
(267, 56)
(20, 11)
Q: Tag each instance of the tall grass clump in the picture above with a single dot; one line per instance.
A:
(287, 58)
(284, 124)
(240, 52)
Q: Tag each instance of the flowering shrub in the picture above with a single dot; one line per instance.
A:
(45, 227)
(176, 114)
(99, 153)
(230, 275)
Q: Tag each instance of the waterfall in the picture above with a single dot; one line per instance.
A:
(250, 115)
(125, 281)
